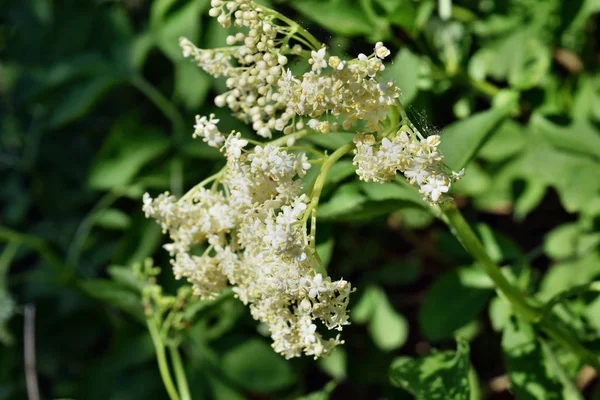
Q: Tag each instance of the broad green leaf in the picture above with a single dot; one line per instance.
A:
(561, 242)
(343, 201)
(476, 181)
(402, 13)
(439, 318)
(461, 140)
(112, 218)
(322, 394)
(363, 311)
(114, 294)
(580, 136)
(504, 142)
(185, 21)
(128, 148)
(331, 141)
(440, 375)
(340, 171)
(191, 84)
(561, 277)
(404, 70)
(254, 366)
(124, 276)
(335, 364)
(387, 327)
(345, 19)
(399, 190)
(80, 98)
(525, 364)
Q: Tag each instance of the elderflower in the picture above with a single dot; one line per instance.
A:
(248, 228)
(420, 161)
(252, 225)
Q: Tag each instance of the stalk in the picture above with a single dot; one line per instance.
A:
(161, 357)
(182, 383)
(463, 232)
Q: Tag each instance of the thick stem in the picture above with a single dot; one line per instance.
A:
(463, 232)
(161, 357)
(180, 377)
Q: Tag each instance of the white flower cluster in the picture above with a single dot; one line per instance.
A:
(350, 89)
(253, 221)
(420, 161)
(265, 94)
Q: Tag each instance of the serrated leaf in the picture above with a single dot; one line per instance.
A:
(525, 364)
(440, 375)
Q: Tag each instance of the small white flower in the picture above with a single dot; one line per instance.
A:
(381, 51)
(317, 59)
(435, 186)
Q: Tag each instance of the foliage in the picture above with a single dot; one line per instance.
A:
(97, 108)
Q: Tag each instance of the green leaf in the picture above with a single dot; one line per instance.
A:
(439, 318)
(525, 364)
(254, 366)
(504, 142)
(191, 84)
(461, 140)
(344, 19)
(112, 218)
(392, 191)
(388, 328)
(128, 148)
(335, 364)
(404, 70)
(331, 141)
(114, 294)
(561, 242)
(185, 21)
(124, 276)
(322, 394)
(440, 375)
(561, 278)
(579, 137)
(80, 99)
(344, 200)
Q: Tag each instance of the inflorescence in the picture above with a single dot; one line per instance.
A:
(252, 223)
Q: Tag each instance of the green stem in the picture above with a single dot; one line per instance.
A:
(161, 102)
(320, 181)
(85, 226)
(161, 357)
(64, 272)
(463, 232)
(180, 377)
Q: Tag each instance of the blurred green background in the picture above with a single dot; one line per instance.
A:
(97, 107)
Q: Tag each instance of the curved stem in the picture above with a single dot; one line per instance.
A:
(161, 357)
(320, 181)
(180, 377)
(463, 232)
(161, 102)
